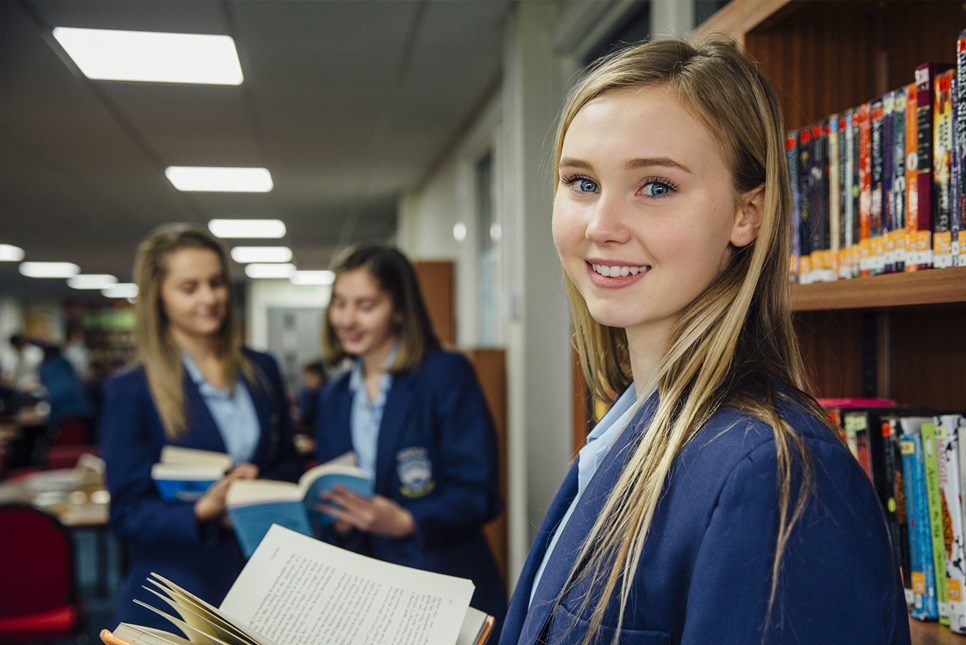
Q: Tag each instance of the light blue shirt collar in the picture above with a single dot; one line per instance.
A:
(366, 417)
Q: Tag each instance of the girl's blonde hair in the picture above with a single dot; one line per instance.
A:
(732, 343)
(156, 349)
(394, 275)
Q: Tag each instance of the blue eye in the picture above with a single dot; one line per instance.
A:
(581, 184)
(657, 188)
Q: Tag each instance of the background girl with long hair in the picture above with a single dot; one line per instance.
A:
(415, 416)
(714, 503)
(194, 386)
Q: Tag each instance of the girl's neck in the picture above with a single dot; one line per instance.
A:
(204, 352)
(646, 348)
(374, 361)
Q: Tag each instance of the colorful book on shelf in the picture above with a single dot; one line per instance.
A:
(791, 159)
(352, 599)
(876, 263)
(930, 451)
(955, 166)
(818, 185)
(255, 504)
(845, 195)
(920, 539)
(902, 544)
(913, 237)
(805, 207)
(865, 189)
(835, 141)
(942, 164)
(921, 235)
(852, 163)
(959, 155)
(947, 445)
(888, 176)
(184, 474)
(897, 199)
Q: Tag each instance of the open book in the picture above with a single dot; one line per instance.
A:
(255, 504)
(184, 474)
(298, 590)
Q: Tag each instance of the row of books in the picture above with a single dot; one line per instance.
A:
(917, 464)
(881, 187)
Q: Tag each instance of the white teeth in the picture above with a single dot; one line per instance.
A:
(618, 271)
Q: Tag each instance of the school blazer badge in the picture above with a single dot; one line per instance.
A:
(415, 471)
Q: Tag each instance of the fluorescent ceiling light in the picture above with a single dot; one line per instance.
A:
(121, 290)
(48, 269)
(10, 253)
(246, 254)
(91, 281)
(269, 270)
(313, 277)
(222, 180)
(247, 228)
(111, 55)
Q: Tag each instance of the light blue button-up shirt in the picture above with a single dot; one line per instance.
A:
(366, 417)
(599, 442)
(233, 411)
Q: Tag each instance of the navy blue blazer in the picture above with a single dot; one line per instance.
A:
(165, 538)
(705, 571)
(437, 458)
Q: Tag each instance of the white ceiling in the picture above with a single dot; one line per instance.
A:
(347, 103)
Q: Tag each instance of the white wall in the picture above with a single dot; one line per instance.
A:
(263, 295)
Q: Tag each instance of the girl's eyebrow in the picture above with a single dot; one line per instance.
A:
(641, 162)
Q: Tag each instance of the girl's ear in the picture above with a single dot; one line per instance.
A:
(748, 217)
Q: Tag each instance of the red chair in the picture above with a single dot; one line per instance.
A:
(38, 589)
(68, 440)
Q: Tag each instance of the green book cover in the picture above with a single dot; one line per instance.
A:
(935, 517)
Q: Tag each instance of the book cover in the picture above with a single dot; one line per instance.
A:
(254, 505)
(184, 474)
(955, 205)
(888, 175)
(920, 540)
(876, 259)
(353, 600)
(947, 444)
(942, 162)
(959, 156)
(835, 174)
(845, 195)
(896, 463)
(791, 159)
(922, 234)
(804, 206)
(818, 184)
(897, 199)
(930, 452)
(914, 238)
(865, 189)
(857, 438)
(849, 225)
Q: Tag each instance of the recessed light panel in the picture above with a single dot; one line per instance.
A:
(91, 281)
(112, 55)
(246, 254)
(225, 180)
(269, 270)
(247, 228)
(313, 277)
(48, 269)
(121, 290)
(10, 253)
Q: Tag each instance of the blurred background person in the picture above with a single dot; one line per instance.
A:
(194, 386)
(419, 425)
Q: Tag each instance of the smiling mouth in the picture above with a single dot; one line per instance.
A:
(618, 271)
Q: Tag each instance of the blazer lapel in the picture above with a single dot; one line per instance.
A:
(399, 400)
(574, 534)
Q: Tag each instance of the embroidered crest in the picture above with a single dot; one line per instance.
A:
(415, 472)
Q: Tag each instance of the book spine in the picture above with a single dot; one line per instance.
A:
(888, 213)
(834, 197)
(845, 188)
(791, 158)
(805, 206)
(857, 438)
(902, 510)
(923, 575)
(934, 504)
(955, 207)
(877, 174)
(948, 457)
(912, 178)
(942, 148)
(865, 189)
(818, 200)
(960, 141)
(898, 197)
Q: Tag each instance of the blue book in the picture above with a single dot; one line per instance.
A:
(255, 504)
(920, 540)
(184, 474)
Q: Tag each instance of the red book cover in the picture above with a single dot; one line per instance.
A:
(913, 237)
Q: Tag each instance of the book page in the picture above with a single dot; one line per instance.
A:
(296, 589)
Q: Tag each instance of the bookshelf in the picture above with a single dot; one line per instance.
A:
(890, 336)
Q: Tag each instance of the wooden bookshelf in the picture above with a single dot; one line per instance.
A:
(891, 336)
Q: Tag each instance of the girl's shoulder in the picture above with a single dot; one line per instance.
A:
(128, 378)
